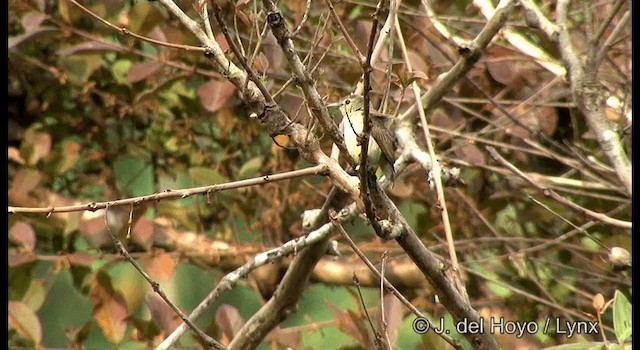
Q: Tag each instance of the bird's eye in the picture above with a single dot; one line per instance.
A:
(347, 101)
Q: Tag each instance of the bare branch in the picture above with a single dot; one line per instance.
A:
(552, 194)
(206, 190)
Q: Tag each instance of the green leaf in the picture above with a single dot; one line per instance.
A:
(120, 70)
(621, 317)
(134, 175)
(251, 167)
(202, 176)
(80, 67)
(579, 346)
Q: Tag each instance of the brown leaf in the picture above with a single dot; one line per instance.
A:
(24, 182)
(349, 324)
(70, 156)
(16, 260)
(143, 70)
(32, 20)
(216, 94)
(93, 228)
(161, 266)
(222, 41)
(392, 315)
(15, 156)
(80, 259)
(36, 146)
(261, 63)
(161, 314)
(470, 153)
(25, 321)
(229, 320)
(110, 309)
(501, 66)
(598, 302)
(22, 233)
(142, 233)
(89, 46)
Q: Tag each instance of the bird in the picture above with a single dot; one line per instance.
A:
(382, 143)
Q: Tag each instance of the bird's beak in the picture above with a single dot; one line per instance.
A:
(334, 104)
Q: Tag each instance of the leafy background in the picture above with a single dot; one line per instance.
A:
(95, 115)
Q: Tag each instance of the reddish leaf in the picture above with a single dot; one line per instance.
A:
(272, 51)
(286, 339)
(21, 259)
(22, 233)
(32, 20)
(161, 314)
(15, 156)
(110, 309)
(161, 267)
(501, 67)
(25, 322)
(143, 70)
(77, 335)
(70, 156)
(598, 302)
(392, 316)
(80, 259)
(31, 24)
(349, 324)
(142, 233)
(261, 63)
(89, 46)
(93, 228)
(229, 320)
(25, 181)
(470, 153)
(215, 94)
(36, 146)
(222, 41)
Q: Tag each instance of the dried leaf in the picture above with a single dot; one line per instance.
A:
(598, 302)
(349, 324)
(261, 64)
(215, 94)
(32, 20)
(89, 46)
(24, 182)
(143, 233)
(36, 146)
(70, 156)
(22, 233)
(143, 70)
(161, 267)
(80, 259)
(229, 320)
(470, 153)
(110, 309)
(25, 321)
(393, 311)
(161, 314)
(16, 260)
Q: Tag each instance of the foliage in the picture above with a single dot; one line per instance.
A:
(96, 114)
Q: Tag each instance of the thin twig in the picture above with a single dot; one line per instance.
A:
(240, 57)
(303, 21)
(156, 286)
(315, 170)
(388, 285)
(126, 31)
(231, 279)
(553, 195)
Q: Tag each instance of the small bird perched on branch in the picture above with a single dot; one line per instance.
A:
(382, 143)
